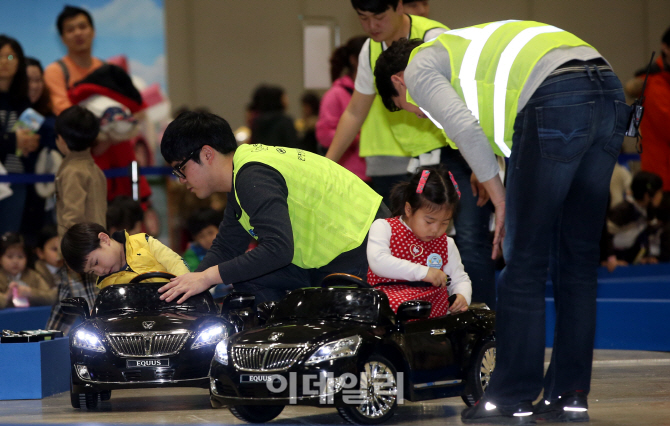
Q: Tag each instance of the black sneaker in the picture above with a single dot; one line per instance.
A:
(485, 412)
(571, 407)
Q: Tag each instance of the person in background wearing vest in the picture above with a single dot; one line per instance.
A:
(389, 140)
(310, 215)
(552, 104)
(75, 27)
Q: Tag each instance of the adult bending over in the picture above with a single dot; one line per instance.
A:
(310, 215)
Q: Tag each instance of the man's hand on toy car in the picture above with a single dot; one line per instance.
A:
(190, 284)
(459, 305)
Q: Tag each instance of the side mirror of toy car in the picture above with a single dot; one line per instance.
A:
(237, 300)
(414, 309)
(75, 306)
(264, 311)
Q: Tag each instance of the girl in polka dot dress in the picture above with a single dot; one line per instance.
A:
(414, 246)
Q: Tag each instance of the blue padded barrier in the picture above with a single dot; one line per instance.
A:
(17, 319)
(34, 370)
(633, 307)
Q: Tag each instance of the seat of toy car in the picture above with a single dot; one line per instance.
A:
(344, 280)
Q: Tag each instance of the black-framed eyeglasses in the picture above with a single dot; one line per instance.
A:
(177, 170)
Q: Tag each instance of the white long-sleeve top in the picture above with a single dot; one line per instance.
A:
(384, 264)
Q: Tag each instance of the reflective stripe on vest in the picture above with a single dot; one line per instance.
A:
(498, 103)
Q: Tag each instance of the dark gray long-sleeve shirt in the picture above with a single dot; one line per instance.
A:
(263, 192)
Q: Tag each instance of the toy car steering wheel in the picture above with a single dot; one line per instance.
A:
(337, 279)
(149, 275)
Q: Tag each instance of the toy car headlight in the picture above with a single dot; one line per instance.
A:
(209, 336)
(337, 349)
(87, 340)
(221, 353)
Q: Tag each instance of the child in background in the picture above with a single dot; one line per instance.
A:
(203, 226)
(414, 246)
(81, 187)
(631, 221)
(49, 260)
(16, 280)
(117, 258)
(67, 283)
(124, 213)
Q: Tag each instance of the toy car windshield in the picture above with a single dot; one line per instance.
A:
(342, 304)
(131, 298)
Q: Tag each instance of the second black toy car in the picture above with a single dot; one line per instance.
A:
(132, 339)
(344, 347)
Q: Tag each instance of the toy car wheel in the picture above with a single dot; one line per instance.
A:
(379, 388)
(90, 400)
(256, 413)
(105, 395)
(479, 373)
(74, 398)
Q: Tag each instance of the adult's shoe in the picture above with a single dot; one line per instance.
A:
(569, 407)
(486, 412)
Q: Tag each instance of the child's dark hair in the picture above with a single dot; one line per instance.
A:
(10, 239)
(645, 183)
(203, 218)
(78, 127)
(78, 242)
(123, 213)
(46, 233)
(340, 59)
(438, 191)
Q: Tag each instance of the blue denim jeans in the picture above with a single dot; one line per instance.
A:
(566, 141)
(473, 237)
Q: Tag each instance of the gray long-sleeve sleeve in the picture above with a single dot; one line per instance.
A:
(263, 193)
(428, 79)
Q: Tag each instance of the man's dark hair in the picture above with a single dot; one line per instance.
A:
(70, 12)
(46, 233)
(123, 213)
(645, 183)
(78, 242)
(203, 218)
(78, 126)
(192, 130)
(666, 37)
(374, 6)
(391, 62)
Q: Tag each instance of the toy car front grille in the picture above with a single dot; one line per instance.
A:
(266, 357)
(148, 343)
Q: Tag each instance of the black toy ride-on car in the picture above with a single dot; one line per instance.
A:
(342, 346)
(132, 339)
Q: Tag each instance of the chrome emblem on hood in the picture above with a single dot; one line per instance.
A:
(148, 324)
(275, 336)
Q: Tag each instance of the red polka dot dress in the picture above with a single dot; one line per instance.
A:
(405, 245)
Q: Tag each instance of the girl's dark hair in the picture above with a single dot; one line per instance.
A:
(10, 239)
(78, 242)
(267, 99)
(43, 104)
(438, 191)
(18, 90)
(645, 183)
(340, 60)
